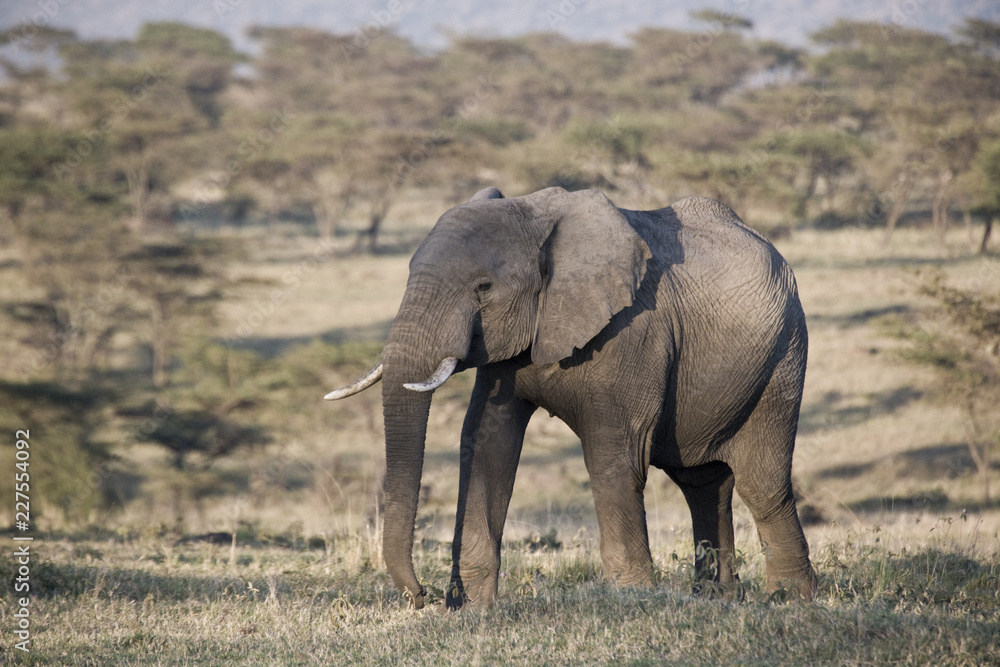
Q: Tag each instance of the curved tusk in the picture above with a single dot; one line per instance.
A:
(442, 373)
(362, 383)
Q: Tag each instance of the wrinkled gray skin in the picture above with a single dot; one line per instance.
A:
(672, 338)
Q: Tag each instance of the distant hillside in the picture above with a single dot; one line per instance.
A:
(430, 24)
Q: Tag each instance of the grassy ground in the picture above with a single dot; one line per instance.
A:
(905, 545)
(145, 600)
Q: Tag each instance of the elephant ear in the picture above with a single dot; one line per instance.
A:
(592, 264)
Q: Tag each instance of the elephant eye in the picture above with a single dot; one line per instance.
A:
(484, 287)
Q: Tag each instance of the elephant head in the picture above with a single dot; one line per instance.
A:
(494, 279)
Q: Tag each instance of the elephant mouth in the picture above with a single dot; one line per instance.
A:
(462, 356)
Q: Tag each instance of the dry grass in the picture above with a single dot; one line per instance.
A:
(145, 599)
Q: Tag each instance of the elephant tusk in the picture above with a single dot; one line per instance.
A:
(442, 373)
(359, 385)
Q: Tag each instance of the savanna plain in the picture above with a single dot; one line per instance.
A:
(289, 572)
(197, 244)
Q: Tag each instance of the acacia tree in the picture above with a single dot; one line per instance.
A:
(144, 101)
(30, 72)
(67, 221)
(958, 147)
(67, 483)
(961, 341)
(360, 125)
(982, 187)
(825, 156)
(922, 97)
(313, 163)
(200, 61)
(983, 35)
(176, 285)
(894, 170)
(207, 411)
(29, 186)
(385, 163)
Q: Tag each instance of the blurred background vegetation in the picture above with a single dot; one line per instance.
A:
(167, 202)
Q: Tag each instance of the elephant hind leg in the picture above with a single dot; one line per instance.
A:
(761, 458)
(708, 490)
(785, 549)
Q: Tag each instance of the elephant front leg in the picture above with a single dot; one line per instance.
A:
(491, 447)
(621, 513)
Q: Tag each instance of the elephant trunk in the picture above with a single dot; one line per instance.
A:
(416, 359)
(405, 414)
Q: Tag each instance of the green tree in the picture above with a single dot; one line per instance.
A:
(726, 20)
(148, 100)
(669, 67)
(30, 71)
(960, 338)
(30, 183)
(176, 285)
(200, 60)
(63, 216)
(957, 146)
(826, 157)
(923, 98)
(315, 162)
(209, 410)
(984, 35)
(69, 465)
(983, 185)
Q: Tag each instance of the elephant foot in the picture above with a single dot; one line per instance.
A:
(461, 595)
(631, 575)
(792, 588)
(455, 598)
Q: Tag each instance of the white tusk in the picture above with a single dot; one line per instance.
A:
(442, 373)
(362, 383)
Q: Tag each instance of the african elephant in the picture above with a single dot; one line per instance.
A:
(671, 338)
